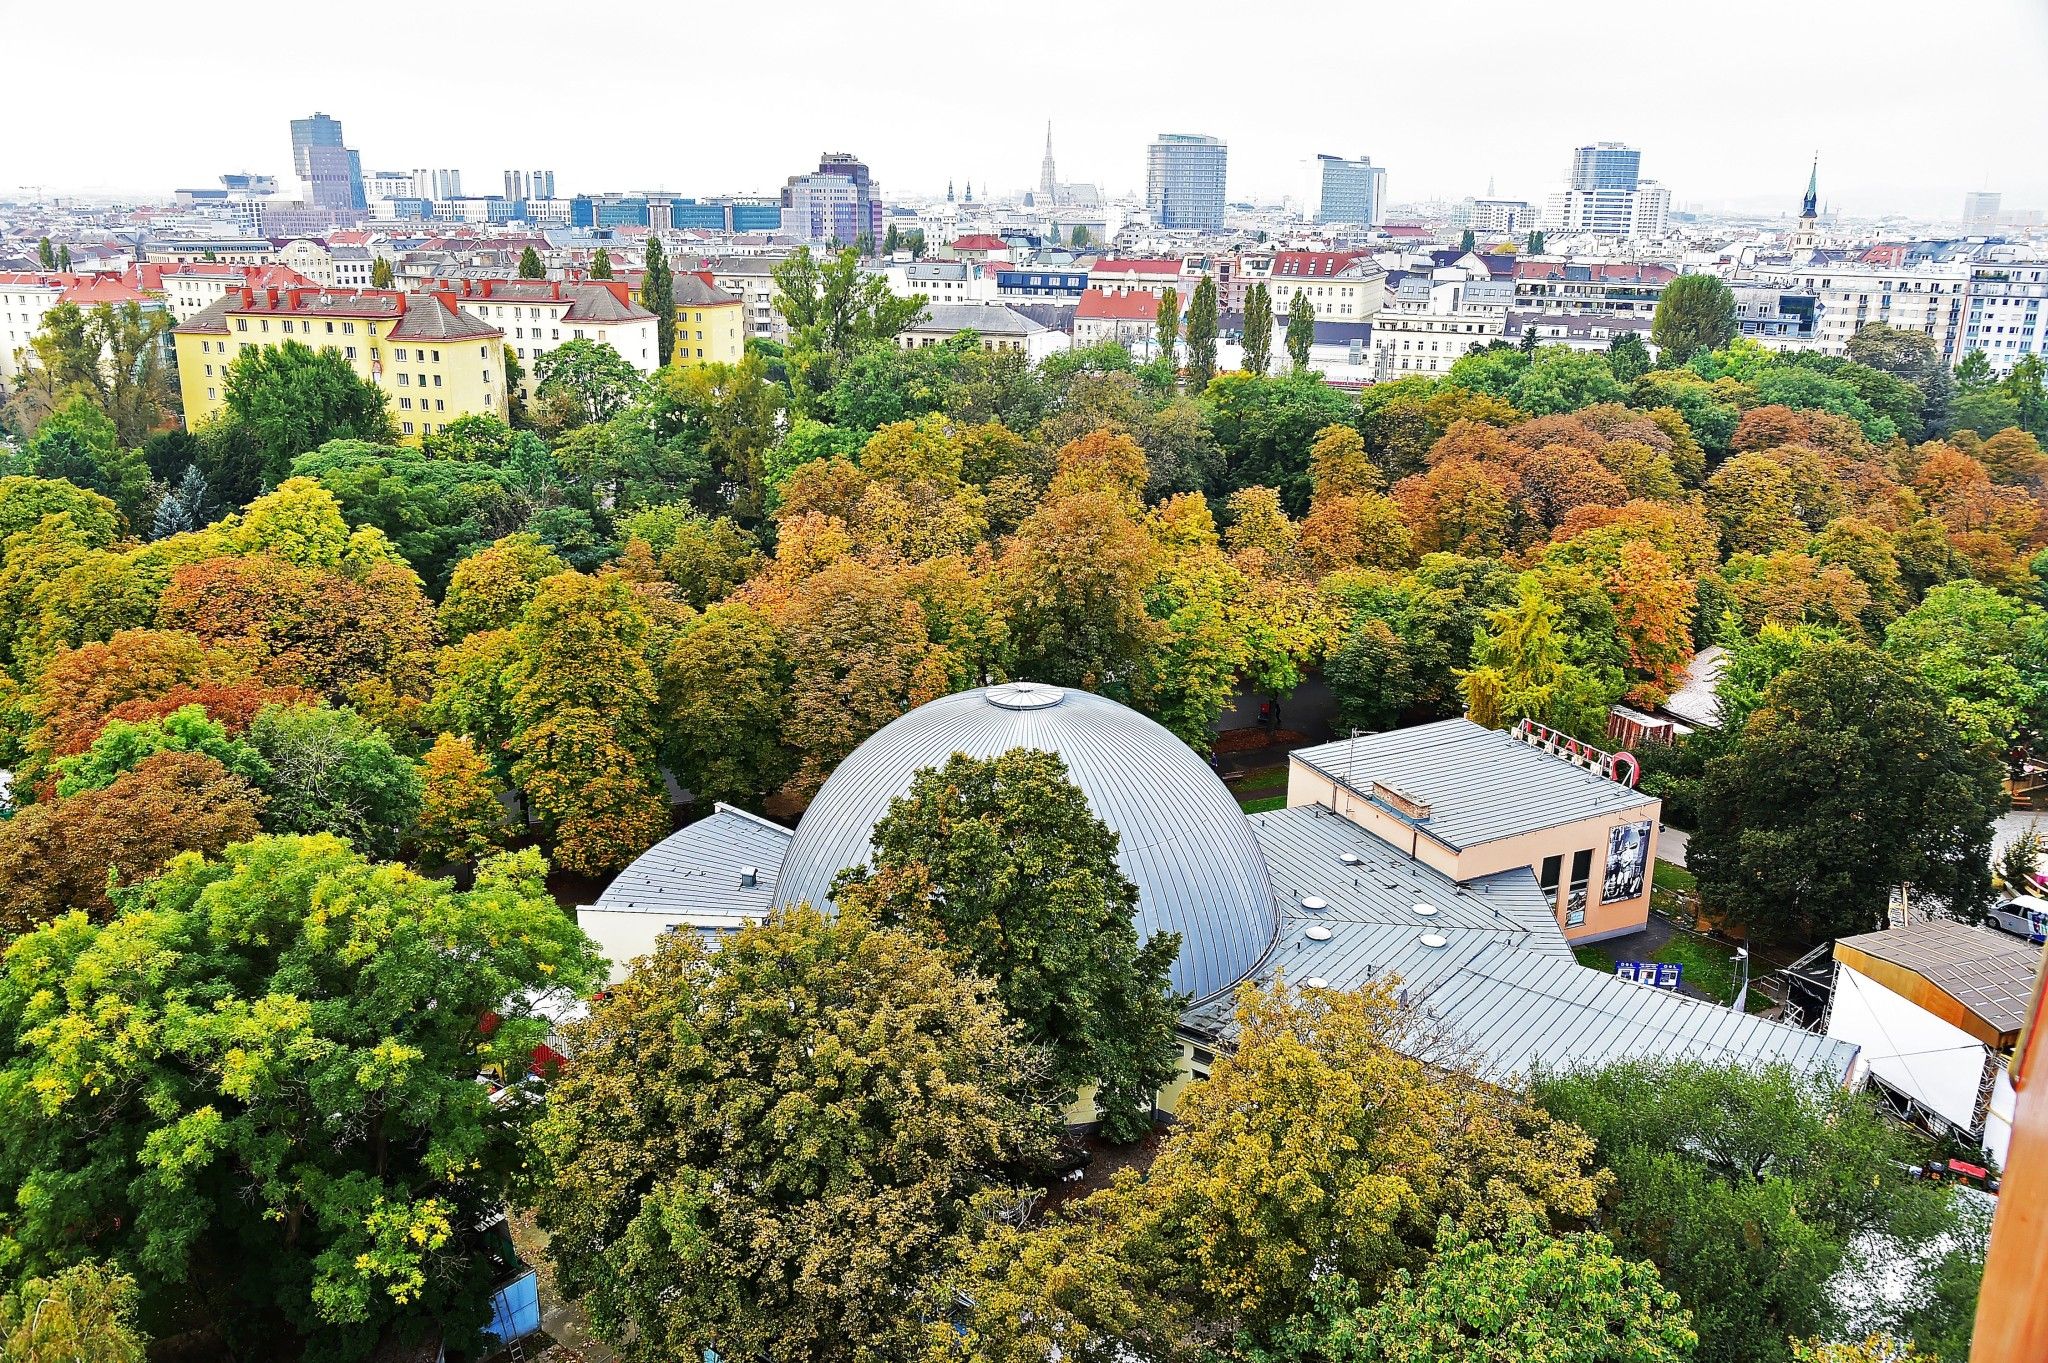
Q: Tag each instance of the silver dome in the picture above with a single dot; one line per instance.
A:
(1184, 842)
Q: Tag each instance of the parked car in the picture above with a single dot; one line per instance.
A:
(2023, 915)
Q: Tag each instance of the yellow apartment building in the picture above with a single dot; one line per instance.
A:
(434, 362)
(711, 324)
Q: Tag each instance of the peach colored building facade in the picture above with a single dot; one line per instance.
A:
(1489, 803)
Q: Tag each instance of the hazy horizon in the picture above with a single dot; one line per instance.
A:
(1443, 112)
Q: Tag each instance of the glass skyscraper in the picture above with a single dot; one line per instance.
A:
(1606, 165)
(1184, 176)
(1353, 191)
(332, 171)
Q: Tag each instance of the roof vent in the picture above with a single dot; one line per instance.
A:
(1426, 910)
(1315, 982)
(1352, 859)
(750, 876)
(1434, 940)
(1316, 932)
(1314, 903)
(1024, 696)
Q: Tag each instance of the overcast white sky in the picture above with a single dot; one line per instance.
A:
(1909, 103)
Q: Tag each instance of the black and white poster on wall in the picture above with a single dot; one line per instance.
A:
(1628, 861)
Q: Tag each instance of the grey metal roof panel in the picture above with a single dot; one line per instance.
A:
(986, 319)
(1987, 972)
(1183, 840)
(697, 870)
(1481, 784)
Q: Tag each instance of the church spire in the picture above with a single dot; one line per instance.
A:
(1810, 208)
(1048, 181)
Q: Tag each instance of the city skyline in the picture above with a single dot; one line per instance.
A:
(1738, 145)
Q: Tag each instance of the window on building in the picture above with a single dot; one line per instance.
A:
(1575, 896)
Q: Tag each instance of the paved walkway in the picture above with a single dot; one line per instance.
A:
(1671, 844)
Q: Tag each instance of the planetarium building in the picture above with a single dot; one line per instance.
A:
(1328, 898)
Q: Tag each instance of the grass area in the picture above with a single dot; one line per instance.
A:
(1259, 804)
(1669, 875)
(1709, 967)
(1670, 886)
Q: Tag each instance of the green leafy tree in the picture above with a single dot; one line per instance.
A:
(1985, 653)
(530, 266)
(1199, 327)
(601, 264)
(380, 273)
(1317, 1153)
(1849, 779)
(1527, 1294)
(434, 511)
(80, 444)
(593, 380)
(1258, 330)
(83, 1314)
(1301, 330)
(1521, 670)
(256, 1091)
(892, 240)
(332, 771)
(125, 744)
(116, 354)
(1535, 243)
(724, 701)
(658, 296)
(291, 399)
(1696, 312)
(46, 254)
(1751, 1190)
(1167, 325)
(462, 809)
(1628, 359)
(582, 709)
(834, 310)
(1468, 241)
(1001, 862)
(771, 1150)
(491, 588)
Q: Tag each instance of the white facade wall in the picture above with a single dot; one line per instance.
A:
(1352, 296)
(21, 316)
(534, 329)
(2004, 314)
(1926, 298)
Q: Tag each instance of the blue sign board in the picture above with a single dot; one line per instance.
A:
(1656, 974)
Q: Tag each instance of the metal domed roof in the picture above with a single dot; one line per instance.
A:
(1184, 842)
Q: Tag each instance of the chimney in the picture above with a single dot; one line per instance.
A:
(750, 876)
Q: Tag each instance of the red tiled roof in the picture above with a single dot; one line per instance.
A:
(1098, 306)
(1171, 267)
(1402, 229)
(86, 290)
(1311, 264)
(981, 241)
(1604, 274)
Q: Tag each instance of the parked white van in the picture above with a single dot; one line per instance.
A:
(2024, 916)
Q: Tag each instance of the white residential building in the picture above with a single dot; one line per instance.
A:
(2004, 317)
(1926, 297)
(751, 279)
(538, 315)
(1429, 323)
(1342, 286)
(998, 327)
(1644, 211)
(941, 281)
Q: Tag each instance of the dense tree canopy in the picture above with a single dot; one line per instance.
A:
(1002, 862)
(769, 1149)
(305, 1156)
